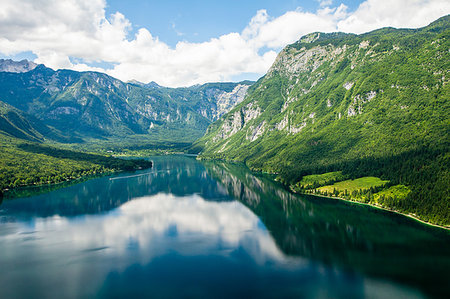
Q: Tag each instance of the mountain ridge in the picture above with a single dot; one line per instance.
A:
(94, 105)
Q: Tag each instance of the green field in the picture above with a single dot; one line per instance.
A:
(363, 183)
(398, 191)
(370, 190)
(309, 181)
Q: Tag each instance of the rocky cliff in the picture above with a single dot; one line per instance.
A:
(369, 89)
(8, 65)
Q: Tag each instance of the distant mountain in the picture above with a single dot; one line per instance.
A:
(8, 65)
(84, 105)
(376, 104)
(152, 84)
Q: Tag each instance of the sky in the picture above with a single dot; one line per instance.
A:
(182, 43)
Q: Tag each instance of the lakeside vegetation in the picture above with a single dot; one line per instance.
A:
(26, 164)
(366, 191)
(416, 182)
(133, 146)
(371, 190)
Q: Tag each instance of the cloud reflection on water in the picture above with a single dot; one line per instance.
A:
(70, 249)
(147, 222)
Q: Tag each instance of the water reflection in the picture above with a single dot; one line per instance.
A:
(163, 240)
(336, 233)
(209, 230)
(152, 225)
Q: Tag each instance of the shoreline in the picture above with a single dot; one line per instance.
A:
(447, 228)
(7, 192)
(10, 193)
(377, 207)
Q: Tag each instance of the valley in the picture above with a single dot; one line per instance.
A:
(333, 110)
(87, 107)
(90, 119)
(225, 149)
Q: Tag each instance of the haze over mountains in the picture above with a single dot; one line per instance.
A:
(70, 106)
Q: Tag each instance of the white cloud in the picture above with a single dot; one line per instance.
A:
(56, 31)
(373, 14)
(324, 3)
(279, 32)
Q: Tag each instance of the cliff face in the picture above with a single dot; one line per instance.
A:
(8, 65)
(225, 101)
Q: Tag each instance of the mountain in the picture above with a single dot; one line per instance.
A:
(15, 123)
(8, 65)
(94, 106)
(375, 104)
(152, 84)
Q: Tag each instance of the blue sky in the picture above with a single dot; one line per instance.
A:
(200, 20)
(181, 43)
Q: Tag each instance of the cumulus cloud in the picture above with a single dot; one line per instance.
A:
(373, 14)
(76, 34)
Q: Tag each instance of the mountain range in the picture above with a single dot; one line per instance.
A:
(49, 120)
(39, 104)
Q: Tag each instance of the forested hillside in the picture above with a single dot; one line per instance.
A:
(24, 163)
(370, 105)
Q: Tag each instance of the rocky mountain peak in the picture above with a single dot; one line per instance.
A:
(23, 66)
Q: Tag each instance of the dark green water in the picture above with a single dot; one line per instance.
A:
(187, 229)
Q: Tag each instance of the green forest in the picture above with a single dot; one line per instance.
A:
(26, 163)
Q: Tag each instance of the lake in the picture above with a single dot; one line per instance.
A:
(210, 229)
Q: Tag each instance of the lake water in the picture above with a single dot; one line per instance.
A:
(190, 229)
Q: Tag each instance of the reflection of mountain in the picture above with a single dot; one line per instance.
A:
(331, 232)
(338, 233)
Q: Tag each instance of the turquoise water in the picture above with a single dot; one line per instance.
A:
(191, 229)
